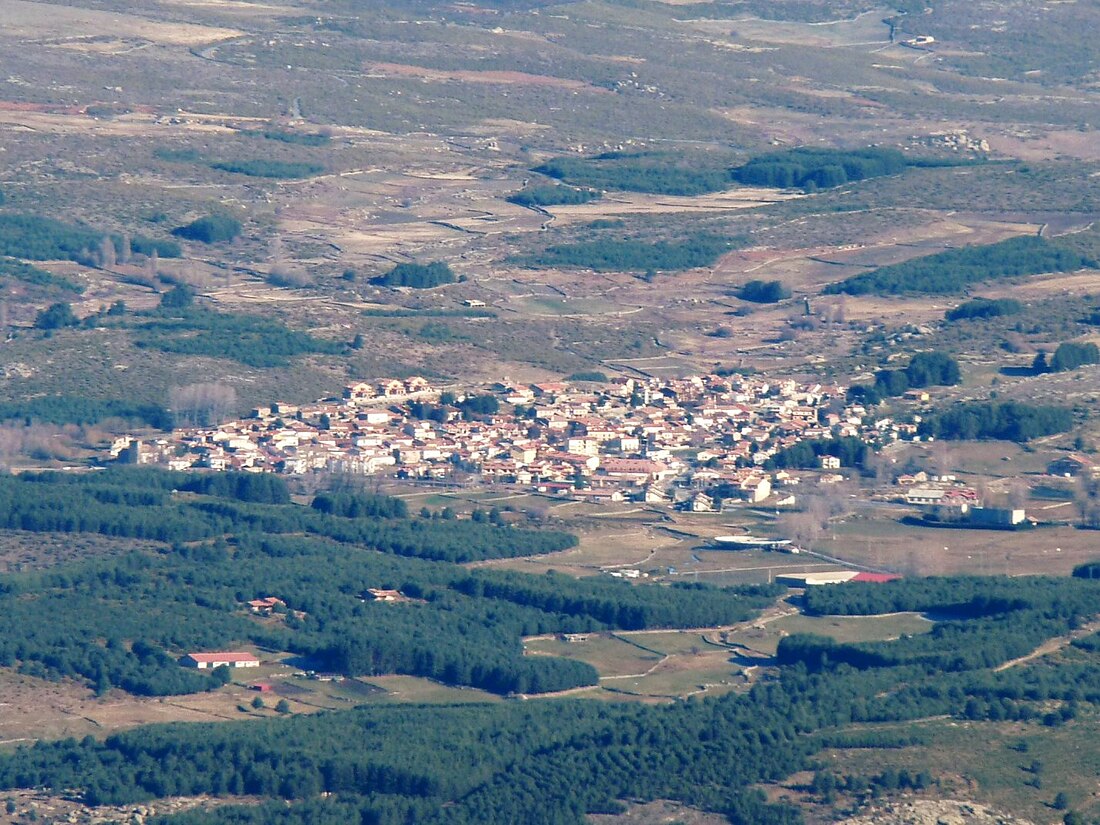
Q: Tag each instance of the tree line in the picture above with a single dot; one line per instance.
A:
(950, 272)
(806, 455)
(247, 339)
(554, 195)
(1068, 356)
(73, 409)
(810, 168)
(925, 369)
(22, 271)
(38, 238)
(984, 308)
(619, 255)
(669, 173)
(1007, 421)
(269, 168)
(660, 173)
(418, 276)
(217, 228)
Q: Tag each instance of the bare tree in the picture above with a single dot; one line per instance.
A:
(1018, 493)
(941, 458)
(805, 527)
(107, 257)
(1088, 501)
(124, 250)
(196, 405)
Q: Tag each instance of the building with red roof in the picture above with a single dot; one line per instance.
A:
(202, 661)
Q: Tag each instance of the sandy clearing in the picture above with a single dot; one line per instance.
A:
(249, 8)
(1077, 143)
(26, 19)
(493, 77)
(622, 203)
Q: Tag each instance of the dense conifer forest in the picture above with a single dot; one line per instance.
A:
(1009, 421)
(418, 276)
(233, 540)
(950, 272)
(554, 761)
(121, 622)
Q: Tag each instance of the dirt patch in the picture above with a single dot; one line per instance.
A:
(506, 78)
(38, 806)
(660, 812)
(933, 812)
(1046, 145)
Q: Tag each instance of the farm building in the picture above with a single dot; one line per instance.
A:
(265, 606)
(202, 661)
(833, 577)
(380, 595)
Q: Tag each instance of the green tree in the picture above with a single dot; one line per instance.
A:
(210, 229)
(56, 316)
(180, 296)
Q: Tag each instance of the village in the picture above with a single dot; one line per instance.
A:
(699, 443)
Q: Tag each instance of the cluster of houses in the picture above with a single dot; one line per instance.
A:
(667, 440)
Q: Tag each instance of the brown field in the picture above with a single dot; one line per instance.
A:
(32, 708)
(414, 689)
(37, 709)
(929, 551)
(666, 664)
(23, 18)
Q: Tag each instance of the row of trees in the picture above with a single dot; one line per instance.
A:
(554, 195)
(267, 168)
(248, 339)
(298, 138)
(668, 173)
(72, 409)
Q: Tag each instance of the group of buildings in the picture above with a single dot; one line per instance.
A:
(658, 440)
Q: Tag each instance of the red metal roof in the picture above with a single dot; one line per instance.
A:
(875, 578)
(235, 656)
